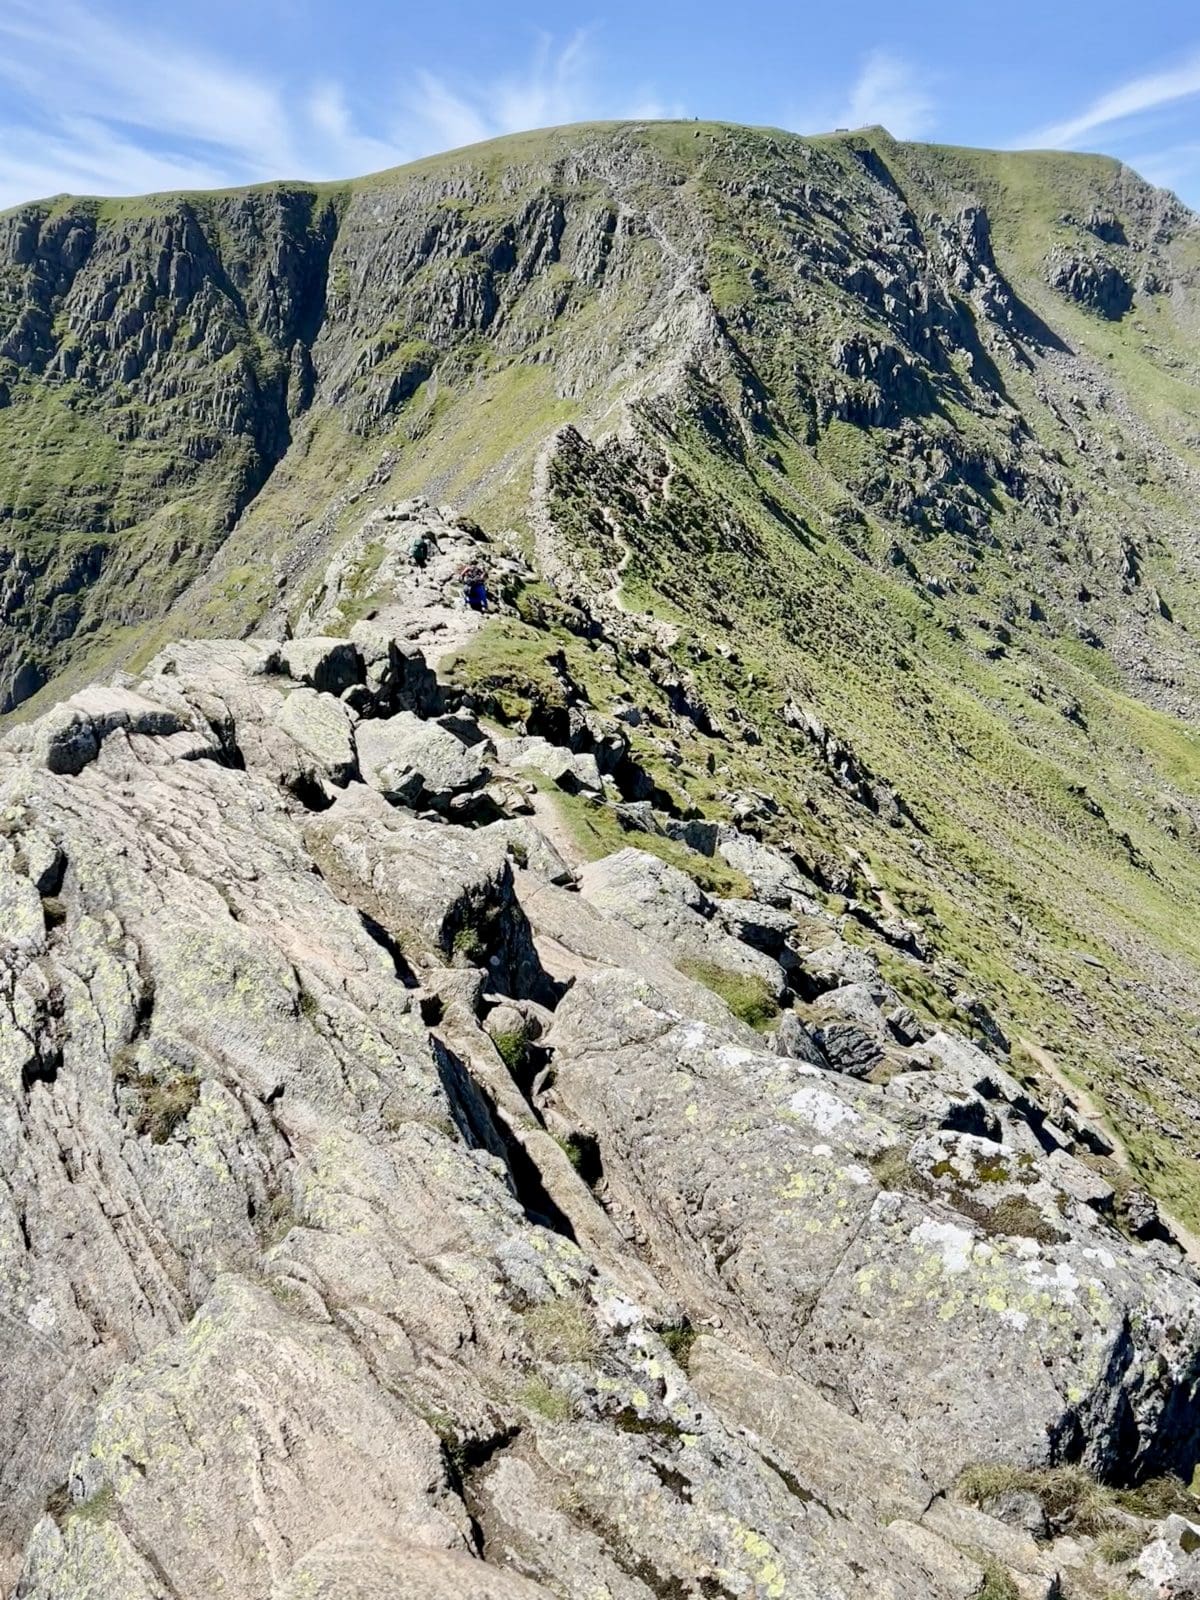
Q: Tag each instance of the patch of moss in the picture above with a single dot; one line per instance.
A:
(679, 1337)
(513, 1049)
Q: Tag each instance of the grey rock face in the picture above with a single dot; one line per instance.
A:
(329, 665)
(1092, 281)
(1170, 1563)
(577, 774)
(420, 763)
(530, 849)
(379, 1217)
(323, 729)
(663, 902)
(776, 880)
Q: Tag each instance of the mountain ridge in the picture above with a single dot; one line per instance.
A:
(873, 393)
(682, 1087)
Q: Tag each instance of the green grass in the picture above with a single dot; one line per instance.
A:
(562, 1331)
(597, 832)
(539, 1396)
(998, 1582)
(1074, 1502)
(97, 1507)
(513, 1049)
(748, 997)
(679, 1337)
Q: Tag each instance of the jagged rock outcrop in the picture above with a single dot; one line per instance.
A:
(1092, 281)
(380, 1217)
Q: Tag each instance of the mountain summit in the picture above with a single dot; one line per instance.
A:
(685, 1085)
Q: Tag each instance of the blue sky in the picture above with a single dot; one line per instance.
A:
(122, 96)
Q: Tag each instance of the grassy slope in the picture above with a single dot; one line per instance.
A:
(1017, 875)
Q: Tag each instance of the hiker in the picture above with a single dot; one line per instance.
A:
(474, 582)
(422, 547)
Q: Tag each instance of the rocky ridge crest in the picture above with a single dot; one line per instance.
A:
(393, 1201)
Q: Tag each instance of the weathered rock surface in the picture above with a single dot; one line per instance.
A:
(664, 903)
(380, 1217)
(577, 774)
(421, 764)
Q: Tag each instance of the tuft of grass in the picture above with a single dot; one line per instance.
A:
(747, 996)
(987, 1480)
(513, 1048)
(1017, 1216)
(1117, 1545)
(165, 1096)
(537, 1395)
(54, 912)
(96, 1508)
(998, 1582)
(278, 1220)
(562, 1331)
(166, 1103)
(1072, 1500)
(892, 1170)
(570, 1147)
(469, 945)
(679, 1337)
(1158, 1498)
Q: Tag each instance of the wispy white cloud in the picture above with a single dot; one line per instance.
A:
(62, 54)
(893, 92)
(340, 148)
(557, 85)
(1132, 99)
(152, 112)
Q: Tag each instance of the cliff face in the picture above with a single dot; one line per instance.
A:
(165, 365)
(151, 365)
(169, 366)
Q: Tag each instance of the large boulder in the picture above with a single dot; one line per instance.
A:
(323, 730)
(442, 894)
(330, 665)
(669, 907)
(420, 764)
(776, 880)
(397, 674)
(204, 1409)
(577, 774)
(69, 736)
(531, 850)
(926, 1326)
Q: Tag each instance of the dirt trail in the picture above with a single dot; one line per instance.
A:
(549, 819)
